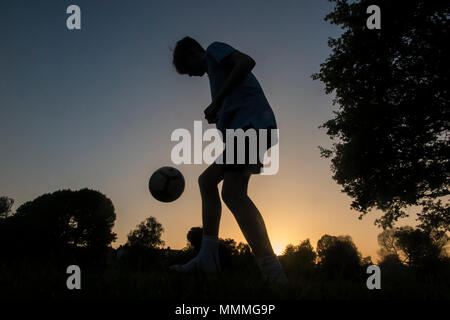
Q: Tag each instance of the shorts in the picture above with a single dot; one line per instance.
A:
(249, 164)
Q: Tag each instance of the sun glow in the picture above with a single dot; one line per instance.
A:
(278, 248)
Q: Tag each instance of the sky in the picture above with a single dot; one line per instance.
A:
(96, 108)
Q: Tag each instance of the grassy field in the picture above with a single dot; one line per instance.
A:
(122, 281)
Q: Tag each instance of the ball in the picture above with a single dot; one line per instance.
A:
(166, 184)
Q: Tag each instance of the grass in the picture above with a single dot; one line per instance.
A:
(155, 283)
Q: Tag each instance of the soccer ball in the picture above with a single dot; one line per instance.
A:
(166, 184)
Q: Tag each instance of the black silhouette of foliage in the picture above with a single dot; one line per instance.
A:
(434, 216)
(227, 249)
(413, 246)
(391, 133)
(63, 219)
(300, 257)
(194, 237)
(143, 249)
(5, 207)
(338, 256)
(390, 260)
(147, 234)
(243, 249)
(388, 244)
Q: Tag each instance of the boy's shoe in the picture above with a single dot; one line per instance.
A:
(207, 259)
(271, 270)
(203, 263)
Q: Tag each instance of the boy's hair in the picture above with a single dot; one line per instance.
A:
(183, 49)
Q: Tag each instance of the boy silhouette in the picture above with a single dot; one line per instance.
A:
(238, 102)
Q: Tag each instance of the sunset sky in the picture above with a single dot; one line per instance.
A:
(96, 108)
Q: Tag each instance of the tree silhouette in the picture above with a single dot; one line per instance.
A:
(391, 133)
(228, 245)
(142, 249)
(434, 215)
(194, 237)
(243, 249)
(300, 258)
(413, 246)
(7, 233)
(63, 219)
(388, 244)
(338, 256)
(147, 234)
(5, 207)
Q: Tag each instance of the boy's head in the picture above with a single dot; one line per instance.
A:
(189, 57)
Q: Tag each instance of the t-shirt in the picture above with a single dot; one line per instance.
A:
(246, 105)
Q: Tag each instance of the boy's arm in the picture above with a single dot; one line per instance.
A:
(241, 65)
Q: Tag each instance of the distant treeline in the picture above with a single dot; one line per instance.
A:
(75, 227)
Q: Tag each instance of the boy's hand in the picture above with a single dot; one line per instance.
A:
(211, 111)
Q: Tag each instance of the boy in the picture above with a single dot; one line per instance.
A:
(238, 102)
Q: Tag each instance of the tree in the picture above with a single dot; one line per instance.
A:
(388, 243)
(5, 207)
(338, 256)
(6, 232)
(243, 249)
(392, 264)
(194, 237)
(434, 215)
(227, 247)
(300, 258)
(63, 219)
(147, 234)
(391, 132)
(412, 246)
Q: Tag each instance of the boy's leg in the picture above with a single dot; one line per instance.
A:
(207, 259)
(234, 194)
(211, 204)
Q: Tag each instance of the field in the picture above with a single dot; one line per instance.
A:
(241, 281)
